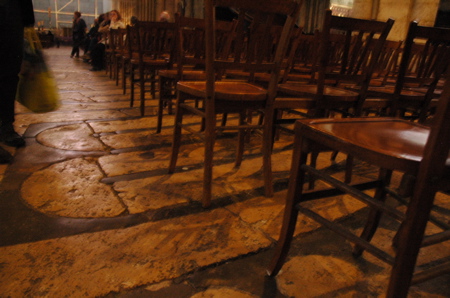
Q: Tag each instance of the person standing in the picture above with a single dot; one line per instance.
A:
(78, 33)
(14, 15)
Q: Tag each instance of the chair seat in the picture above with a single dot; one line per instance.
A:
(151, 62)
(330, 93)
(188, 75)
(258, 77)
(366, 139)
(389, 90)
(230, 91)
(299, 77)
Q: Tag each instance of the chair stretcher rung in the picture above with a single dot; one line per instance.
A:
(431, 273)
(188, 127)
(348, 235)
(436, 238)
(193, 110)
(237, 127)
(331, 192)
(355, 193)
(433, 219)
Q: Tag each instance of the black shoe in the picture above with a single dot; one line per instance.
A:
(5, 157)
(10, 137)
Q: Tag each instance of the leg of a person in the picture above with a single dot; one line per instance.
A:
(11, 60)
(8, 87)
(72, 53)
(75, 48)
(97, 56)
(87, 42)
(92, 44)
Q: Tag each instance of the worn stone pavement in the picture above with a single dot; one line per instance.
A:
(87, 209)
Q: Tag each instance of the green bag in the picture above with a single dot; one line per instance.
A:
(37, 89)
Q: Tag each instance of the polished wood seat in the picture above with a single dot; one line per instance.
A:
(391, 144)
(219, 96)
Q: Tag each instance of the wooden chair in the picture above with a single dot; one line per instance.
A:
(190, 57)
(392, 144)
(109, 52)
(220, 96)
(153, 43)
(387, 65)
(302, 59)
(352, 60)
(424, 59)
(267, 55)
(356, 45)
(117, 38)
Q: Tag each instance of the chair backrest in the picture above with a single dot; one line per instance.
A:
(304, 55)
(425, 58)
(152, 40)
(360, 45)
(388, 61)
(191, 48)
(117, 39)
(252, 38)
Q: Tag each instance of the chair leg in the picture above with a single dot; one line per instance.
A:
(224, 119)
(176, 142)
(153, 84)
(313, 163)
(241, 140)
(169, 105)
(110, 66)
(410, 239)
(276, 131)
(161, 101)
(348, 169)
(334, 155)
(267, 152)
(124, 77)
(142, 91)
(297, 179)
(210, 138)
(117, 71)
(132, 85)
(374, 215)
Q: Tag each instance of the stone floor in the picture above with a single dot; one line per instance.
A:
(87, 209)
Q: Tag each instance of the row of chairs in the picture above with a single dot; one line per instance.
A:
(409, 88)
(262, 64)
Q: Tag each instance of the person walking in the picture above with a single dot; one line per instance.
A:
(78, 34)
(14, 15)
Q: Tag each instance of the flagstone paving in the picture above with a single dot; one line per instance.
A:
(88, 208)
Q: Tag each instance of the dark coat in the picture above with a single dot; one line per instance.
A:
(14, 16)
(26, 7)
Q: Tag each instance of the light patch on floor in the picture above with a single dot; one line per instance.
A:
(95, 264)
